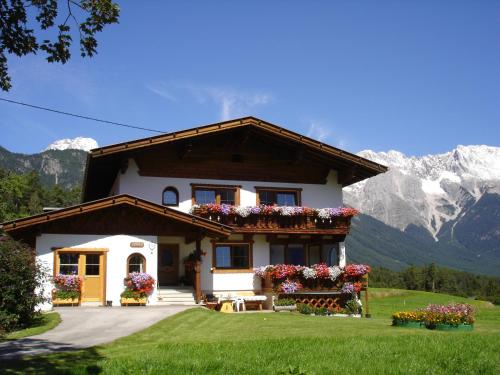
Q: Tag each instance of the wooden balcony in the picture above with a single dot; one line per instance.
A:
(305, 224)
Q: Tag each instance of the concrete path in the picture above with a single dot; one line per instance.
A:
(82, 327)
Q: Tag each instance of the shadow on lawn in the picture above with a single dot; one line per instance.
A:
(84, 361)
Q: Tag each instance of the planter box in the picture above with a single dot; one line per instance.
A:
(133, 301)
(407, 324)
(66, 301)
(450, 327)
(285, 308)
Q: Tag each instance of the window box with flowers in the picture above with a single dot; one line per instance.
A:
(138, 286)
(67, 290)
(276, 217)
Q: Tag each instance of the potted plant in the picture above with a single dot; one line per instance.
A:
(353, 306)
(67, 290)
(285, 304)
(138, 286)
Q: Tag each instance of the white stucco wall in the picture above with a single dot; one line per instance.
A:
(151, 188)
(118, 251)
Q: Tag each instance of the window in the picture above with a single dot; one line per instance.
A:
(220, 194)
(330, 254)
(170, 197)
(92, 264)
(136, 263)
(232, 256)
(303, 253)
(278, 196)
(68, 263)
(287, 253)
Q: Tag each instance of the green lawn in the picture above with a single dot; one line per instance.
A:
(205, 342)
(41, 324)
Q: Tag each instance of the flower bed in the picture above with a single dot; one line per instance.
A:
(440, 317)
(138, 285)
(67, 290)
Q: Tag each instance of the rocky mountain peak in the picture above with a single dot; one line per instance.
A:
(78, 143)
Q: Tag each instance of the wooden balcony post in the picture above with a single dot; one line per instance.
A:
(367, 311)
(197, 281)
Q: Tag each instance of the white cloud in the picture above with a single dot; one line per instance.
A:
(319, 131)
(230, 103)
(162, 92)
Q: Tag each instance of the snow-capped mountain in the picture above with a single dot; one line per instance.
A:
(432, 192)
(78, 143)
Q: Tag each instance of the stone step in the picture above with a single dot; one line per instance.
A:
(180, 299)
(175, 290)
(165, 303)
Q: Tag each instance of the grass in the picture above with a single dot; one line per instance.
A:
(201, 341)
(41, 324)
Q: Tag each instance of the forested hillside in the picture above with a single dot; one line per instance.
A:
(23, 194)
(432, 278)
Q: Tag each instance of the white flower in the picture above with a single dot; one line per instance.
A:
(309, 273)
(324, 213)
(334, 272)
(243, 211)
(286, 210)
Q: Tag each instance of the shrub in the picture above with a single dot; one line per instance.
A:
(284, 302)
(304, 308)
(21, 285)
(320, 311)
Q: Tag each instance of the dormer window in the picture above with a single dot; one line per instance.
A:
(278, 196)
(217, 194)
(170, 197)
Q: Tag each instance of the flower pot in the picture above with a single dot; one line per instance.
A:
(65, 301)
(285, 308)
(133, 301)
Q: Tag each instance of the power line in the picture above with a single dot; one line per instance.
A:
(81, 116)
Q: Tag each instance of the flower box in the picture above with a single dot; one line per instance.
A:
(141, 301)
(452, 327)
(65, 301)
(407, 324)
(285, 308)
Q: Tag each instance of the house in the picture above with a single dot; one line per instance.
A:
(148, 205)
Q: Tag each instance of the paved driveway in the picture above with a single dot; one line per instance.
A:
(82, 327)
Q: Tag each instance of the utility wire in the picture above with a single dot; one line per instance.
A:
(81, 116)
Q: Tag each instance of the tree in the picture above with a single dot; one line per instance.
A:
(21, 285)
(17, 36)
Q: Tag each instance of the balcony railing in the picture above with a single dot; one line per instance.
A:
(305, 222)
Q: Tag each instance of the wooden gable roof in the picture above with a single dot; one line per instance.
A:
(121, 214)
(308, 160)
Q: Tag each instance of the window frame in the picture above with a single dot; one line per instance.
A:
(175, 191)
(128, 262)
(276, 190)
(217, 188)
(216, 269)
(306, 244)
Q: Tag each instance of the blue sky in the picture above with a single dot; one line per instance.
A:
(416, 76)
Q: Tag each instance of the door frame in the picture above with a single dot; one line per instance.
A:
(160, 245)
(81, 250)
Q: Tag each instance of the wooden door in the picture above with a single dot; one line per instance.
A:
(92, 271)
(168, 264)
(90, 264)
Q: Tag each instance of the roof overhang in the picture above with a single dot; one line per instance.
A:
(36, 224)
(357, 168)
